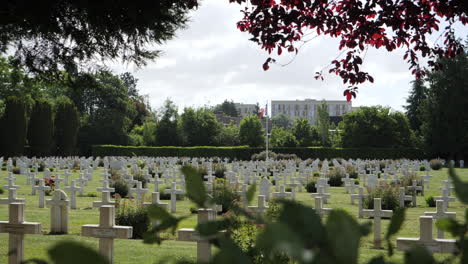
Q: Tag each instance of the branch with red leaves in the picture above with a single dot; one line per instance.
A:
(391, 24)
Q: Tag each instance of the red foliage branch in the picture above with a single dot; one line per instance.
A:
(280, 24)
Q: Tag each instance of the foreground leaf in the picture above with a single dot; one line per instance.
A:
(71, 252)
(195, 188)
(461, 188)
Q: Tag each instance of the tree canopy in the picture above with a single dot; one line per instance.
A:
(286, 25)
(52, 35)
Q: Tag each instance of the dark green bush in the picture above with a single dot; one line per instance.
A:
(310, 187)
(288, 189)
(335, 176)
(41, 129)
(16, 170)
(193, 210)
(91, 194)
(67, 123)
(430, 201)
(351, 170)
(121, 188)
(388, 194)
(13, 125)
(141, 178)
(129, 214)
(219, 170)
(436, 164)
(1, 190)
(223, 195)
(422, 168)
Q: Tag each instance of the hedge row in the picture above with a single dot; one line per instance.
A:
(245, 153)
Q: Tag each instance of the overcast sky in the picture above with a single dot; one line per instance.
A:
(212, 60)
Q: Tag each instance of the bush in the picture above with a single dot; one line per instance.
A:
(1, 190)
(121, 188)
(408, 181)
(219, 170)
(335, 176)
(422, 168)
(245, 153)
(41, 129)
(273, 211)
(388, 194)
(193, 210)
(13, 125)
(351, 170)
(288, 189)
(16, 170)
(223, 195)
(90, 194)
(142, 179)
(436, 164)
(262, 156)
(67, 123)
(430, 201)
(129, 214)
(310, 187)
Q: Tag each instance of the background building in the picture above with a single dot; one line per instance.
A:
(308, 109)
(245, 109)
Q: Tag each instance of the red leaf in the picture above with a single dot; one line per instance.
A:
(348, 97)
(265, 66)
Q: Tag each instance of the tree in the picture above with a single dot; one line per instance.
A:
(149, 133)
(67, 124)
(167, 132)
(445, 119)
(375, 127)
(417, 96)
(281, 120)
(323, 123)
(13, 127)
(41, 129)
(305, 134)
(281, 138)
(286, 25)
(228, 108)
(75, 32)
(199, 127)
(229, 135)
(251, 131)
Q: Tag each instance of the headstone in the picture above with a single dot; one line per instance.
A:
(360, 197)
(41, 188)
(282, 194)
(321, 193)
(440, 213)
(377, 214)
(140, 191)
(319, 206)
(261, 207)
(17, 228)
(403, 197)
(265, 188)
(173, 192)
(73, 189)
(107, 231)
(105, 200)
(203, 244)
(11, 198)
(156, 201)
(426, 240)
(59, 212)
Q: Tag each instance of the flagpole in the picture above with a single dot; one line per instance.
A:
(266, 125)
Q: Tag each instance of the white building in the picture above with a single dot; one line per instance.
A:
(308, 108)
(245, 109)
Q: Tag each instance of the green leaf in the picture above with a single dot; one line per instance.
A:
(344, 234)
(420, 255)
(450, 225)
(461, 188)
(35, 261)
(278, 237)
(195, 188)
(251, 192)
(72, 252)
(377, 260)
(396, 222)
(230, 253)
(212, 228)
(165, 221)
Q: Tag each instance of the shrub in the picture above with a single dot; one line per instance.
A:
(335, 176)
(273, 211)
(14, 127)
(41, 129)
(436, 164)
(430, 201)
(408, 181)
(1, 190)
(16, 170)
(67, 123)
(288, 189)
(388, 194)
(310, 187)
(142, 179)
(121, 188)
(223, 195)
(4, 168)
(129, 214)
(351, 170)
(422, 168)
(90, 194)
(193, 210)
(219, 170)
(262, 155)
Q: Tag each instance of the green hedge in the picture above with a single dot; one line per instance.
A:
(244, 153)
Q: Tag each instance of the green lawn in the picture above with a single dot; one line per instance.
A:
(134, 251)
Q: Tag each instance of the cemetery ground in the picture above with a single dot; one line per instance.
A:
(134, 251)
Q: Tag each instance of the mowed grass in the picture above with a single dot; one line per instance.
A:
(134, 251)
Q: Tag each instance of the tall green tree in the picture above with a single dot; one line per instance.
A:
(445, 122)
(13, 127)
(67, 124)
(281, 138)
(41, 129)
(323, 123)
(229, 135)
(414, 101)
(376, 127)
(167, 131)
(228, 108)
(251, 132)
(304, 132)
(199, 127)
